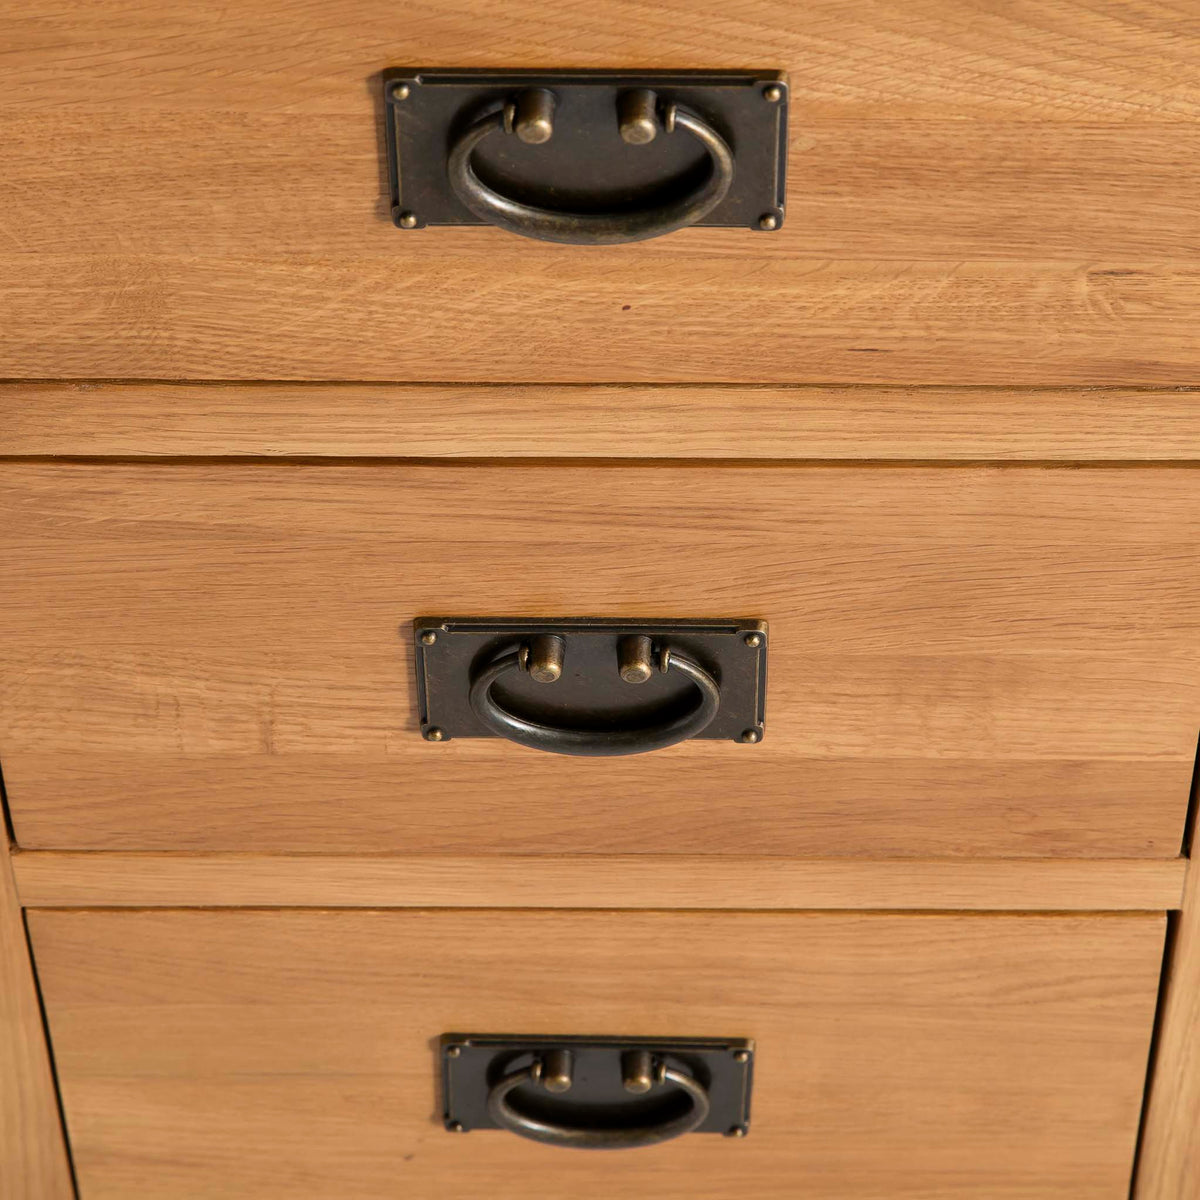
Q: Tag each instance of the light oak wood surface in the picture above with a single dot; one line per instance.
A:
(33, 1158)
(725, 318)
(290, 1054)
(973, 661)
(998, 197)
(1068, 60)
(598, 421)
(1169, 1162)
(883, 189)
(56, 879)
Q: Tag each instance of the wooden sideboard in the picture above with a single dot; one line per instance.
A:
(938, 431)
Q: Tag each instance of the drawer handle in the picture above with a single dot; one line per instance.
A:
(641, 1073)
(542, 658)
(530, 117)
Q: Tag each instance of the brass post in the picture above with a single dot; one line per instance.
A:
(546, 653)
(533, 121)
(637, 116)
(637, 1071)
(557, 1069)
(635, 658)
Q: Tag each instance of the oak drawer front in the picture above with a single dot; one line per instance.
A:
(292, 1054)
(999, 197)
(962, 661)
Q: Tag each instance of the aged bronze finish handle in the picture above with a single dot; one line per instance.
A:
(596, 1092)
(530, 118)
(542, 658)
(641, 1073)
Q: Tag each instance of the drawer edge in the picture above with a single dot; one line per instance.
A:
(53, 879)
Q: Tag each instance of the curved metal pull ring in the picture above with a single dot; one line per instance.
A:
(563, 740)
(594, 229)
(604, 1138)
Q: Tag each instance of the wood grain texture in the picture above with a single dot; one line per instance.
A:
(1000, 197)
(970, 661)
(547, 421)
(1169, 1162)
(289, 1054)
(54, 879)
(836, 321)
(940, 60)
(884, 189)
(33, 1158)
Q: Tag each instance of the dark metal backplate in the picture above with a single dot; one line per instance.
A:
(585, 166)
(471, 1063)
(591, 693)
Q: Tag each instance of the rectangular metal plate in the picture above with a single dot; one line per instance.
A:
(471, 1063)
(449, 650)
(427, 107)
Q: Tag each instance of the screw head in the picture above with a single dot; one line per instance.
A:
(434, 734)
(428, 637)
(767, 221)
(773, 92)
(455, 1127)
(741, 1056)
(453, 1051)
(737, 1131)
(408, 220)
(401, 91)
(753, 640)
(752, 735)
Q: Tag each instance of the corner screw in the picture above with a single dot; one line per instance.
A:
(408, 220)
(767, 221)
(453, 1051)
(737, 1131)
(742, 1056)
(434, 734)
(753, 640)
(773, 92)
(428, 637)
(752, 735)
(456, 1127)
(400, 91)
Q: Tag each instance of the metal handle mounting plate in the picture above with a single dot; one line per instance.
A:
(600, 1093)
(591, 686)
(586, 156)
